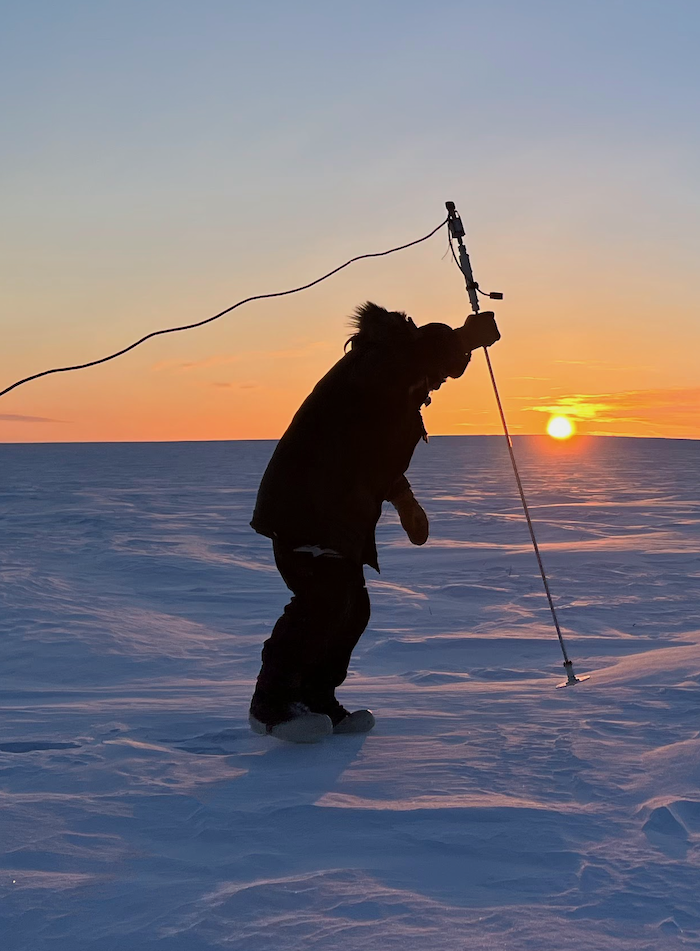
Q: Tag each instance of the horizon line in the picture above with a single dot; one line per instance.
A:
(135, 442)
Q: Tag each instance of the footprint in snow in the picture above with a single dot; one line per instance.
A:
(215, 744)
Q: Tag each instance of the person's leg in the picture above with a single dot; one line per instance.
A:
(308, 652)
(328, 669)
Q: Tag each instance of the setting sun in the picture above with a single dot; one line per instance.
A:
(559, 427)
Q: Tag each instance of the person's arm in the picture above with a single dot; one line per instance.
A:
(413, 519)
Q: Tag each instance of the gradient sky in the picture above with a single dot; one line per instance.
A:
(162, 160)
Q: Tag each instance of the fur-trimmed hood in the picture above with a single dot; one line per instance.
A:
(376, 326)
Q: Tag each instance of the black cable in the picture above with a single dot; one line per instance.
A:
(449, 241)
(451, 248)
(208, 320)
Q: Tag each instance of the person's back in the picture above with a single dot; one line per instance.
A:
(348, 443)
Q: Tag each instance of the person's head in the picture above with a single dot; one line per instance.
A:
(440, 353)
(433, 352)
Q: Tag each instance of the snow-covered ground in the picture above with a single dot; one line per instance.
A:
(488, 810)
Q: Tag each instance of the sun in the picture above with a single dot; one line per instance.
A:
(560, 427)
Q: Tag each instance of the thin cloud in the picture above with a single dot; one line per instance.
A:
(672, 407)
(291, 353)
(576, 407)
(14, 418)
(197, 364)
(607, 364)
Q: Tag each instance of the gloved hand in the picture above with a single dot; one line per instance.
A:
(479, 330)
(414, 521)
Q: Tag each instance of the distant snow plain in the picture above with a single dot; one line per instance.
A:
(488, 810)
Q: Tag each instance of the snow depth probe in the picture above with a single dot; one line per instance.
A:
(456, 231)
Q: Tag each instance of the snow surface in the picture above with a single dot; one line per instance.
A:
(488, 810)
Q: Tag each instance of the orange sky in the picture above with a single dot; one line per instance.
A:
(153, 180)
(244, 376)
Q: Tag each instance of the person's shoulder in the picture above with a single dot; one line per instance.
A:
(367, 373)
(341, 374)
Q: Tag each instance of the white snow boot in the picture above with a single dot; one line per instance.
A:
(360, 721)
(302, 726)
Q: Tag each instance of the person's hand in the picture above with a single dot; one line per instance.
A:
(413, 519)
(479, 330)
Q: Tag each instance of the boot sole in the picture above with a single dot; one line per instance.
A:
(308, 728)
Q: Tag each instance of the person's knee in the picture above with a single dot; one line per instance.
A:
(348, 610)
(363, 608)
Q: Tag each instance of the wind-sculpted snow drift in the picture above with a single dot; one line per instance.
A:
(488, 810)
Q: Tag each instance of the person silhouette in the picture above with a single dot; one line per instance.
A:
(344, 454)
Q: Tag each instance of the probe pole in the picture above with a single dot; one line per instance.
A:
(457, 232)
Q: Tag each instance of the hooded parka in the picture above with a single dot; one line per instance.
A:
(351, 441)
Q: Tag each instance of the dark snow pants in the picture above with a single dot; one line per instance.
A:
(308, 653)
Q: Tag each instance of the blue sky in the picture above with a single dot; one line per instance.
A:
(161, 160)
